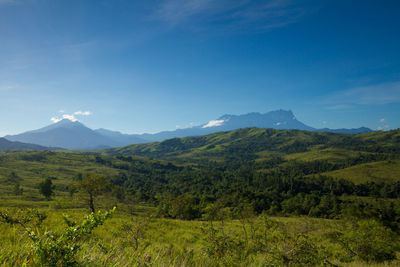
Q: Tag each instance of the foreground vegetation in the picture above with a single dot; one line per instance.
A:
(248, 197)
(133, 237)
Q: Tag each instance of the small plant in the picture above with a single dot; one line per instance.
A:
(135, 230)
(52, 249)
(367, 240)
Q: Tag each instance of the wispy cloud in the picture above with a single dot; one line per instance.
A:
(83, 113)
(228, 15)
(378, 94)
(382, 128)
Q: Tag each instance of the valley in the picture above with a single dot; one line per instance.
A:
(182, 197)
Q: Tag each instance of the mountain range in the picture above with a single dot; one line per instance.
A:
(74, 135)
(6, 145)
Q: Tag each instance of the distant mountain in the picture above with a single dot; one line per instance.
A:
(278, 119)
(6, 145)
(120, 137)
(65, 134)
(75, 135)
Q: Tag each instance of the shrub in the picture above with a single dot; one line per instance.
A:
(46, 188)
(52, 249)
(369, 241)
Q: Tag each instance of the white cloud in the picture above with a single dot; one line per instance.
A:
(83, 113)
(324, 122)
(55, 120)
(70, 117)
(213, 123)
(382, 120)
(61, 111)
(64, 116)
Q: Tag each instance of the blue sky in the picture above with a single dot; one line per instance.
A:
(147, 66)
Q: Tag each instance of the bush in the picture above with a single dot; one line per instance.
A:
(52, 249)
(369, 241)
(46, 188)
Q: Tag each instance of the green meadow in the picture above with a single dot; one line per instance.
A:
(255, 197)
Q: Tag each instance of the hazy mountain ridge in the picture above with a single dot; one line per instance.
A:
(6, 145)
(65, 134)
(279, 119)
(76, 136)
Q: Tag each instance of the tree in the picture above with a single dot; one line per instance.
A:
(93, 185)
(17, 189)
(46, 188)
(184, 207)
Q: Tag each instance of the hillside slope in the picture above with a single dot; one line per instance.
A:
(6, 145)
(255, 142)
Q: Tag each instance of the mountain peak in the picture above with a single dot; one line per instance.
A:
(281, 113)
(279, 119)
(67, 122)
(64, 123)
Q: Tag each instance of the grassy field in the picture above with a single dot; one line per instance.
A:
(134, 237)
(331, 154)
(162, 175)
(381, 171)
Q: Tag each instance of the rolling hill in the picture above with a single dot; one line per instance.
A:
(256, 142)
(6, 145)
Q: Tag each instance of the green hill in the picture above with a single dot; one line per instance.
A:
(29, 168)
(181, 164)
(254, 143)
(275, 172)
(381, 171)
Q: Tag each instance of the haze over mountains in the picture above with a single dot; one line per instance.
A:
(74, 135)
(6, 145)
